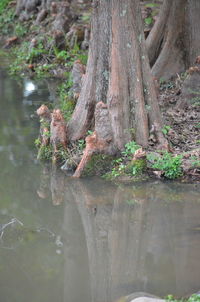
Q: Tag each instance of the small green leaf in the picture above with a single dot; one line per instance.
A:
(151, 5)
(148, 20)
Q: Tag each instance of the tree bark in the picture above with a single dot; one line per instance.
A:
(125, 96)
(131, 94)
(155, 37)
(132, 98)
(129, 76)
(171, 59)
(95, 82)
(179, 46)
(192, 32)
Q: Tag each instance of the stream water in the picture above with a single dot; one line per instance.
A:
(85, 240)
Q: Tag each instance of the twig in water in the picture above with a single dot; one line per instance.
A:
(4, 226)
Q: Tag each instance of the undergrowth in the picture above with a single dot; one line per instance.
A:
(124, 165)
(167, 163)
(192, 298)
(3, 5)
(67, 102)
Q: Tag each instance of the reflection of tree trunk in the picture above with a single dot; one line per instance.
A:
(43, 190)
(126, 245)
(52, 88)
(57, 185)
(76, 266)
(96, 225)
(133, 245)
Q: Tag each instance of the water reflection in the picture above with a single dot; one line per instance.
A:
(138, 239)
(18, 125)
(142, 237)
(35, 93)
(29, 87)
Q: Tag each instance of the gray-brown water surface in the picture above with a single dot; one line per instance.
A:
(85, 240)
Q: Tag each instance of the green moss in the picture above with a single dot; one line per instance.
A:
(129, 170)
(98, 165)
(136, 167)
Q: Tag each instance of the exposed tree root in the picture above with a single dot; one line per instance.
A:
(58, 132)
(45, 118)
(100, 141)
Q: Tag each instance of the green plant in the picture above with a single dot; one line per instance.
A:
(77, 53)
(71, 55)
(131, 202)
(35, 53)
(45, 152)
(37, 142)
(117, 168)
(165, 129)
(6, 20)
(20, 30)
(85, 18)
(195, 161)
(67, 108)
(130, 148)
(62, 154)
(170, 298)
(89, 132)
(193, 298)
(151, 4)
(81, 144)
(3, 5)
(169, 164)
(166, 85)
(138, 167)
(67, 103)
(64, 89)
(148, 21)
(153, 11)
(113, 174)
(24, 56)
(62, 55)
(44, 70)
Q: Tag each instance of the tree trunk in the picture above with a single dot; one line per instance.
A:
(132, 98)
(192, 32)
(155, 37)
(179, 47)
(171, 59)
(131, 94)
(126, 98)
(128, 78)
(95, 82)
